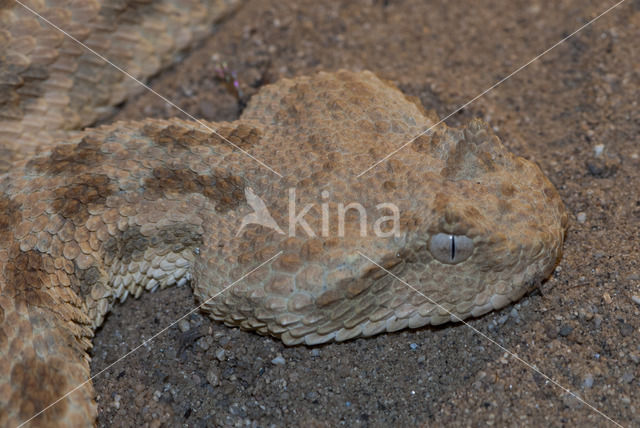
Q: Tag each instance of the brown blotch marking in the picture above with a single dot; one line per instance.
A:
(225, 189)
(243, 136)
(289, 263)
(486, 162)
(466, 160)
(27, 278)
(440, 203)
(176, 137)
(426, 144)
(71, 159)
(73, 200)
(173, 136)
(311, 249)
(10, 216)
(37, 384)
(21, 87)
(334, 159)
(389, 185)
(131, 245)
(85, 279)
(507, 189)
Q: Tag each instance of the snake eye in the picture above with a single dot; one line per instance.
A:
(450, 249)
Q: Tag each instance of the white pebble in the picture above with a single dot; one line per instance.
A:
(582, 217)
(220, 354)
(598, 149)
(279, 360)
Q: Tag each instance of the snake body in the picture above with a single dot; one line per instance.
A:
(90, 217)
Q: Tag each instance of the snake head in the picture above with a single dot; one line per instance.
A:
(492, 230)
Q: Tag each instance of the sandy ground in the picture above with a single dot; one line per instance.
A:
(581, 328)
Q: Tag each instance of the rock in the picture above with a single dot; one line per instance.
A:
(220, 354)
(598, 149)
(588, 381)
(565, 330)
(279, 361)
(213, 376)
(626, 330)
(184, 325)
(627, 377)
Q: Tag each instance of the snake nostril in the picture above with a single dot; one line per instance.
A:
(450, 249)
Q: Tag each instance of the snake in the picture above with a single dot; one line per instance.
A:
(268, 218)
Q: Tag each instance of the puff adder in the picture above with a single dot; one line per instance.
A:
(90, 217)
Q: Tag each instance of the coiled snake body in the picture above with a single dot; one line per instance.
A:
(90, 217)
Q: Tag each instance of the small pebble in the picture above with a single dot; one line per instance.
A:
(626, 329)
(116, 401)
(581, 217)
(213, 376)
(204, 342)
(184, 325)
(413, 346)
(220, 354)
(636, 299)
(235, 409)
(315, 352)
(224, 340)
(597, 321)
(279, 361)
(598, 149)
(565, 330)
(627, 377)
(588, 381)
(607, 298)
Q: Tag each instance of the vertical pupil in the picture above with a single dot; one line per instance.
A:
(453, 246)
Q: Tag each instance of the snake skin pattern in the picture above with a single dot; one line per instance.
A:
(91, 217)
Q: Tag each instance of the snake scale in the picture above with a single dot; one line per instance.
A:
(89, 217)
